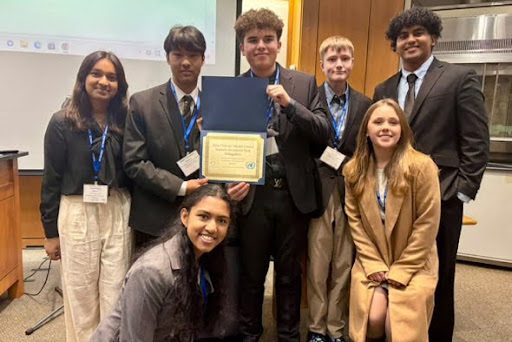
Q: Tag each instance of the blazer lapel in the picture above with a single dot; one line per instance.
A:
(323, 98)
(286, 80)
(434, 72)
(391, 88)
(393, 206)
(325, 105)
(353, 105)
(172, 112)
(370, 209)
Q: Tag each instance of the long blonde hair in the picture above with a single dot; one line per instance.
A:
(360, 170)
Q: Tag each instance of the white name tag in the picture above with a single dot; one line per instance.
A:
(94, 193)
(271, 146)
(189, 164)
(332, 157)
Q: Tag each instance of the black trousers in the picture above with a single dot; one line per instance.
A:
(443, 319)
(142, 239)
(273, 226)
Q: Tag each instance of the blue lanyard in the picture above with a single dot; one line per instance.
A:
(187, 130)
(339, 124)
(270, 104)
(203, 284)
(382, 201)
(96, 163)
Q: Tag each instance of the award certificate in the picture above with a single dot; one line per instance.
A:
(233, 157)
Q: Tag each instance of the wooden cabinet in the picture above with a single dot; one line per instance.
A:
(32, 233)
(11, 263)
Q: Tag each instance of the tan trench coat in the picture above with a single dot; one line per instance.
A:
(405, 247)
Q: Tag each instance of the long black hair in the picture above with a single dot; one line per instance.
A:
(79, 109)
(191, 313)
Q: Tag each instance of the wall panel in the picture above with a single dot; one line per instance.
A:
(364, 22)
(382, 62)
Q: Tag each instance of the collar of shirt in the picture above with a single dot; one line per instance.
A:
(403, 87)
(420, 72)
(329, 93)
(272, 78)
(180, 93)
(334, 108)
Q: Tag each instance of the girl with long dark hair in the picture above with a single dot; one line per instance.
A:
(84, 201)
(167, 291)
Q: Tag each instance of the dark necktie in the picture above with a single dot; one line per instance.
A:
(340, 100)
(409, 98)
(186, 109)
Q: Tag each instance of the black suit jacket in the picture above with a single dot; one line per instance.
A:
(357, 107)
(449, 122)
(153, 143)
(298, 133)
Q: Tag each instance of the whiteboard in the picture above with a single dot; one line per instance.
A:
(34, 82)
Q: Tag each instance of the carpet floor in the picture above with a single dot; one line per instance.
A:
(483, 302)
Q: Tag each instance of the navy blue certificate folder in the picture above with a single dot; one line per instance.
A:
(234, 104)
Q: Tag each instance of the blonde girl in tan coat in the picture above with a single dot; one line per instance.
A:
(393, 208)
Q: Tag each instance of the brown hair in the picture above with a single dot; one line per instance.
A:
(258, 19)
(337, 43)
(360, 170)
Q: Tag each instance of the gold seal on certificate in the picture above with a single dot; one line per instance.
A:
(233, 157)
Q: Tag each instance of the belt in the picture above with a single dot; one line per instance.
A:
(277, 183)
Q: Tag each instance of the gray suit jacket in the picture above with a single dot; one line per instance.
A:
(449, 122)
(147, 301)
(358, 105)
(299, 132)
(153, 143)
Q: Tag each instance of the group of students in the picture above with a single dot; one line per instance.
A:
(343, 182)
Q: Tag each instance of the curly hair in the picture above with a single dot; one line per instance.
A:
(414, 16)
(258, 19)
(79, 109)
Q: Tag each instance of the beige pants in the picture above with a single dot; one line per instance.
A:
(96, 247)
(330, 257)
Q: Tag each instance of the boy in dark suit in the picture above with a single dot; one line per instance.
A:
(330, 246)
(161, 129)
(275, 216)
(446, 112)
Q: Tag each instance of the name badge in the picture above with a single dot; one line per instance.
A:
(189, 164)
(94, 193)
(332, 157)
(271, 146)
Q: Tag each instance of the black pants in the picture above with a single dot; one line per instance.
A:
(142, 239)
(443, 319)
(273, 226)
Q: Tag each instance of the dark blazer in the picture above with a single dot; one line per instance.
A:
(357, 107)
(449, 122)
(153, 143)
(298, 132)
